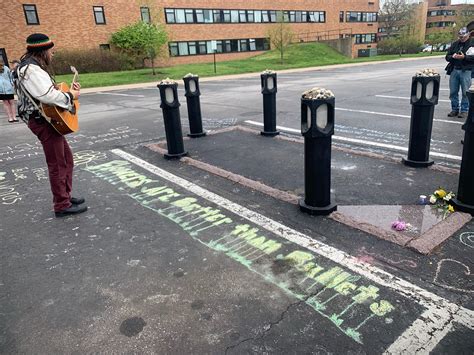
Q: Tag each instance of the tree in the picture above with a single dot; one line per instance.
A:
(394, 15)
(438, 38)
(280, 35)
(141, 40)
(464, 15)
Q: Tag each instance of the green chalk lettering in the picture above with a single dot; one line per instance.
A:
(166, 198)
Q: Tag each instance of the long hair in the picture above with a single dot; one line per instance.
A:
(42, 59)
(2, 67)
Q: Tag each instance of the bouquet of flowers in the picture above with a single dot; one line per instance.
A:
(441, 200)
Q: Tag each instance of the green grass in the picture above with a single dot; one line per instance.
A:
(296, 56)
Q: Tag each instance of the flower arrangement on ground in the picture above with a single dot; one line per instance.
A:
(441, 200)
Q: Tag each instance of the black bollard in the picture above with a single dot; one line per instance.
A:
(171, 118)
(317, 127)
(424, 97)
(464, 200)
(269, 89)
(192, 93)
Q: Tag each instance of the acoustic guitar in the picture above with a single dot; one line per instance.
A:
(63, 120)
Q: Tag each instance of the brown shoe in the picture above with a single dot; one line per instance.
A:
(462, 115)
(453, 114)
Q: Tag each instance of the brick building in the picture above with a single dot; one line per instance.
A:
(443, 16)
(430, 16)
(234, 29)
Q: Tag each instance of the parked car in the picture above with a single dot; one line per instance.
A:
(427, 49)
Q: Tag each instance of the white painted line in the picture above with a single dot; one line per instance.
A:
(448, 121)
(438, 308)
(117, 94)
(423, 335)
(403, 98)
(363, 142)
(393, 115)
(373, 112)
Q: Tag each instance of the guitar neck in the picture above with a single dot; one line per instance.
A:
(74, 79)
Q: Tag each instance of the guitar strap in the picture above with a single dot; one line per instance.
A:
(40, 110)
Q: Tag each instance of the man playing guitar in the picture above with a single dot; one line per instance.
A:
(35, 86)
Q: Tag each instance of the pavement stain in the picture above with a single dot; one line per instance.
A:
(132, 326)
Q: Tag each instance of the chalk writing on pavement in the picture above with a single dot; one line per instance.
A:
(347, 300)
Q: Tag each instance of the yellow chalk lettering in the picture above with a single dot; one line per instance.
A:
(326, 278)
(250, 234)
(108, 166)
(270, 246)
(153, 191)
(257, 242)
(225, 220)
(214, 217)
(315, 270)
(343, 276)
(184, 202)
(240, 228)
(382, 308)
(366, 293)
(345, 288)
(298, 257)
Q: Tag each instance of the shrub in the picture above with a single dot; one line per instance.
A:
(399, 45)
(91, 61)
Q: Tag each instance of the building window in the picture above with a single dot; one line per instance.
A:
(227, 17)
(170, 16)
(208, 16)
(99, 15)
(180, 16)
(222, 46)
(365, 38)
(105, 46)
(234, 16)
(200, 16)
(145, 14)
(242, 16)
(189, 14)
(174, 49)
(31, 15)
(353, 16)
(341, 16)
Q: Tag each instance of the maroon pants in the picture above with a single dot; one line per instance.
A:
(59, 159)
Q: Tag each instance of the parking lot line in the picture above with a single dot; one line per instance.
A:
(363, 142)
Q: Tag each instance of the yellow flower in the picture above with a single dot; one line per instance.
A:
(440, 193)
(450, 208)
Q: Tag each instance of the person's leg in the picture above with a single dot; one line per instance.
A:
(69, 160)
(465, 82)
(53, 147)
(6, 107)
(453, 90)
(13, 108)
